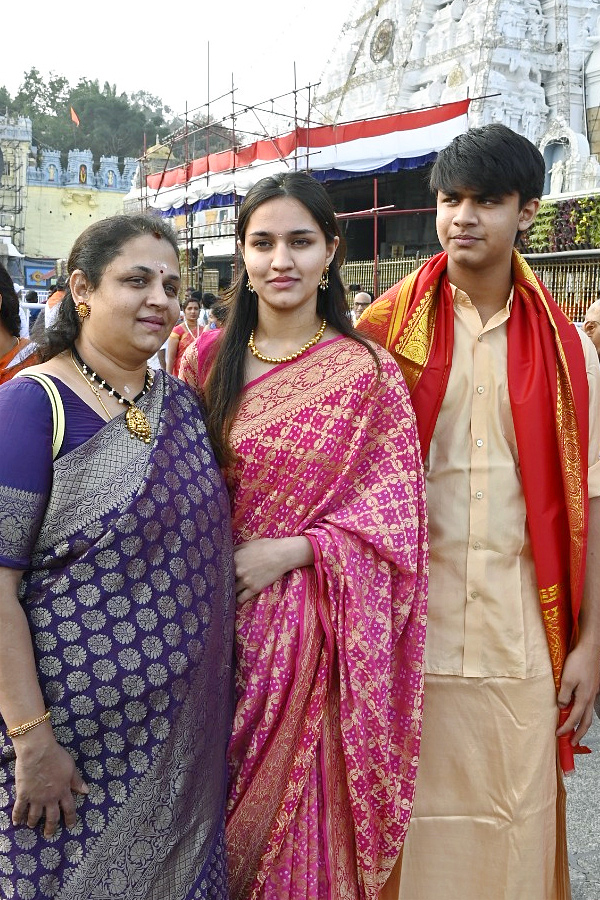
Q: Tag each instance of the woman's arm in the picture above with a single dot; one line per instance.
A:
(261, 562)
(45, 774)
(172, 347)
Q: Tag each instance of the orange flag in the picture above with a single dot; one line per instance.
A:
(74, 116)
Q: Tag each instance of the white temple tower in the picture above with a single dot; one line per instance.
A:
(526, 63)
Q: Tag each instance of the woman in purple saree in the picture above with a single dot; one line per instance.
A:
(120, 551)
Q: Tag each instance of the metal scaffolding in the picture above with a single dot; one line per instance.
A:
(222, 123)
(15, 140)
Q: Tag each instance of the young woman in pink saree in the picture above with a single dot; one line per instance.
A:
(317, 436)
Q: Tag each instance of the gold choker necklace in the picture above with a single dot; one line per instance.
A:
(136, 421)
(274, 360)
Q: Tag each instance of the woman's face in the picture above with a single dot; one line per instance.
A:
(285, 252)
(191, 312)
(135, 305)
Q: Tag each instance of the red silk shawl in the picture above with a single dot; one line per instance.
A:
(548, 392)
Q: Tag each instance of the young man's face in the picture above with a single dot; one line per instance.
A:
(478, 231)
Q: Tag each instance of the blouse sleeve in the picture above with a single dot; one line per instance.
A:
(25, 468)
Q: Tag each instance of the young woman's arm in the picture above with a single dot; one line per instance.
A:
(261, 562)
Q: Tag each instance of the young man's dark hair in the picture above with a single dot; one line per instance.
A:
(492, 160)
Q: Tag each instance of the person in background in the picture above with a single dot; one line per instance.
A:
(506, 393)
(33, 314)
(224, 288)
(361, 301)
(313, 426)
(207, 301)
(53, 302)
(159, 360)
(183, 335)
(217, 314)
(116, 596)
(591, 324)
(16, 352)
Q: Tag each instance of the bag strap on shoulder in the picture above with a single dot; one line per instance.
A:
(58, 413)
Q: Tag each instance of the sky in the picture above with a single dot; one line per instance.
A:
(165, 49)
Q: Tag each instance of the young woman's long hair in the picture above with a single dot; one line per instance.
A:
(226, 379)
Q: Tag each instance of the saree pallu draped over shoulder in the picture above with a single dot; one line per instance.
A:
(129, 598)
(326, 734)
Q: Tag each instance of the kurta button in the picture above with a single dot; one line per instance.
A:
(480, 338)
(480, 389)
(479, 442)
(479, 495)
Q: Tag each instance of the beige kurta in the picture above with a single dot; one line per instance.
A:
(484, 819)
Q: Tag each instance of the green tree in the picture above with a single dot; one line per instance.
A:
(110, 123)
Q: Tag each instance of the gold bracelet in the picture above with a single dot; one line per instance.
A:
(27, 726)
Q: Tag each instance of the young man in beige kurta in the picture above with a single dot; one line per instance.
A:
(485, 823)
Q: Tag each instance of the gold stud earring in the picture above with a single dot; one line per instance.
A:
(83, 309)
(324, 282)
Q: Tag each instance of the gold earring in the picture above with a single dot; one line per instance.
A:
(250, 286)
(324, 282)
(83, 310)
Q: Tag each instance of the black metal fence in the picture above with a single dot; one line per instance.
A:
(572, 278)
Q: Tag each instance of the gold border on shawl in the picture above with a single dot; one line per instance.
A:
(566, 430)
(403, 298)
(416, 340)
(552, 601)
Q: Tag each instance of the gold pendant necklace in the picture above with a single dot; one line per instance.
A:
(281, 359)
(136, 421)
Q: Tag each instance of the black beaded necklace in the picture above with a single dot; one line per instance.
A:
(87, 370)
(136, 421)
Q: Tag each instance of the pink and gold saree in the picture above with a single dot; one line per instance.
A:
(326, 735)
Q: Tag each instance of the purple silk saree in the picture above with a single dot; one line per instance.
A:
(129, 597)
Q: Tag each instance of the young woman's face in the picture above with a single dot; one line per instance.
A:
(285, 252)
(135, 306)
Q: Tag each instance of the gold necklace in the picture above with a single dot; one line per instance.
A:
(136, 421)
(281, 359)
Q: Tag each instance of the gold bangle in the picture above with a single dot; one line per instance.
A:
(27, 726)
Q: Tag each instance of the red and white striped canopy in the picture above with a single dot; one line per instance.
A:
(389, 143)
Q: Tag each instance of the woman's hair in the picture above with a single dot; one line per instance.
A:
(220, 311)
(493, 160)
(226, 379)
(9, 310)
(191, 299)
(92, 252)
